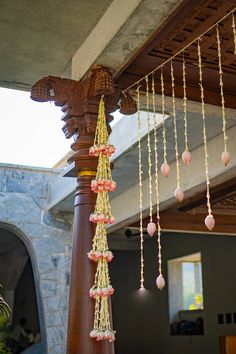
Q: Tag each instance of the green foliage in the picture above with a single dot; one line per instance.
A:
(4, 314)
(3, 349)
(4, 307)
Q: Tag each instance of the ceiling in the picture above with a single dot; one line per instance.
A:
(39, 38)
(191, 19)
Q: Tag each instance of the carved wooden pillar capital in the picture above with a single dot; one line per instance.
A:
(79, 102)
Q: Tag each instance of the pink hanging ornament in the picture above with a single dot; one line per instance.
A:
(210, 222)
(100, 336)
(179, 195)
(160, 282)
(186, 157)
(165, 169)
(107, 334)
(151, 228)
(93, 333)
(225, 157)
(112, 339)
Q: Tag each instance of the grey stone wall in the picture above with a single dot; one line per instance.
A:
(47, 236)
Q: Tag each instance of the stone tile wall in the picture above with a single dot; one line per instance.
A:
(47, 236)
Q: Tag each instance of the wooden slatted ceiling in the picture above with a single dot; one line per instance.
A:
(190, 20)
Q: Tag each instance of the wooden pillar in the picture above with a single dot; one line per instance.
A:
(79, 101)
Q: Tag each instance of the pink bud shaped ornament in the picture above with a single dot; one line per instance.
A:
(112, 220)
(99, 291)
(112, 339)
(109, 257)
(165, 169)
(179, 195)
(100, 336)
(107, 334)
(93, 333)
(160, 282)
(151, 228)
(225, 157)
(210, 222)
(186, 157)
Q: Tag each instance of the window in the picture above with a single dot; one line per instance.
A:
(192, 285)
(186, 294)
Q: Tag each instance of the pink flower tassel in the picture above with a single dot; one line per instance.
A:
(151, 228)
(165, 169)
(210, 222)
(179, 195)
(160, 282)
(225, 157)
(186, 157)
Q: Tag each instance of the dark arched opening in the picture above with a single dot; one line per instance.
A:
(19, 290)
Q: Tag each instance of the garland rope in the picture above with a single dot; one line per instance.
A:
(102, 184)
(165, 168)
(209, 221)
(149, 151)
(225, 155)
(234, 31)
(160, 282)
(140, 193)
(185, 107)
(163, 115)
(178, 192)
(186, 155)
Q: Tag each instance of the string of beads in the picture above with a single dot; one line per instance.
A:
(140, 193)
(160, 282)
(225, 155)
(209, 221)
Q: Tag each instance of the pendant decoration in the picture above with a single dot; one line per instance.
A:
(209, 220)
(225, 154)
(151, 227)
(165, 168)
(160, 281)
(179, 195)
(234, 31)
(186, 155)
(140, 172)
(100, 253)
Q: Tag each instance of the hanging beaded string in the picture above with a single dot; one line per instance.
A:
(179, 195)
(225, 155)
(165, 168)
(160, 282)
(102, 184)
(140, 192)
(234, 31)
(186, 155)
(209, 220)
(151, 227)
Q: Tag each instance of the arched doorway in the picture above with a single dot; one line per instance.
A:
(19, 289)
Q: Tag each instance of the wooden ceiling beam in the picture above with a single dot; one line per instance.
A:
(189, 21)
(179, 221)
(211, 97)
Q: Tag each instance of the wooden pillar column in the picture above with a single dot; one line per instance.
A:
(79, 101)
